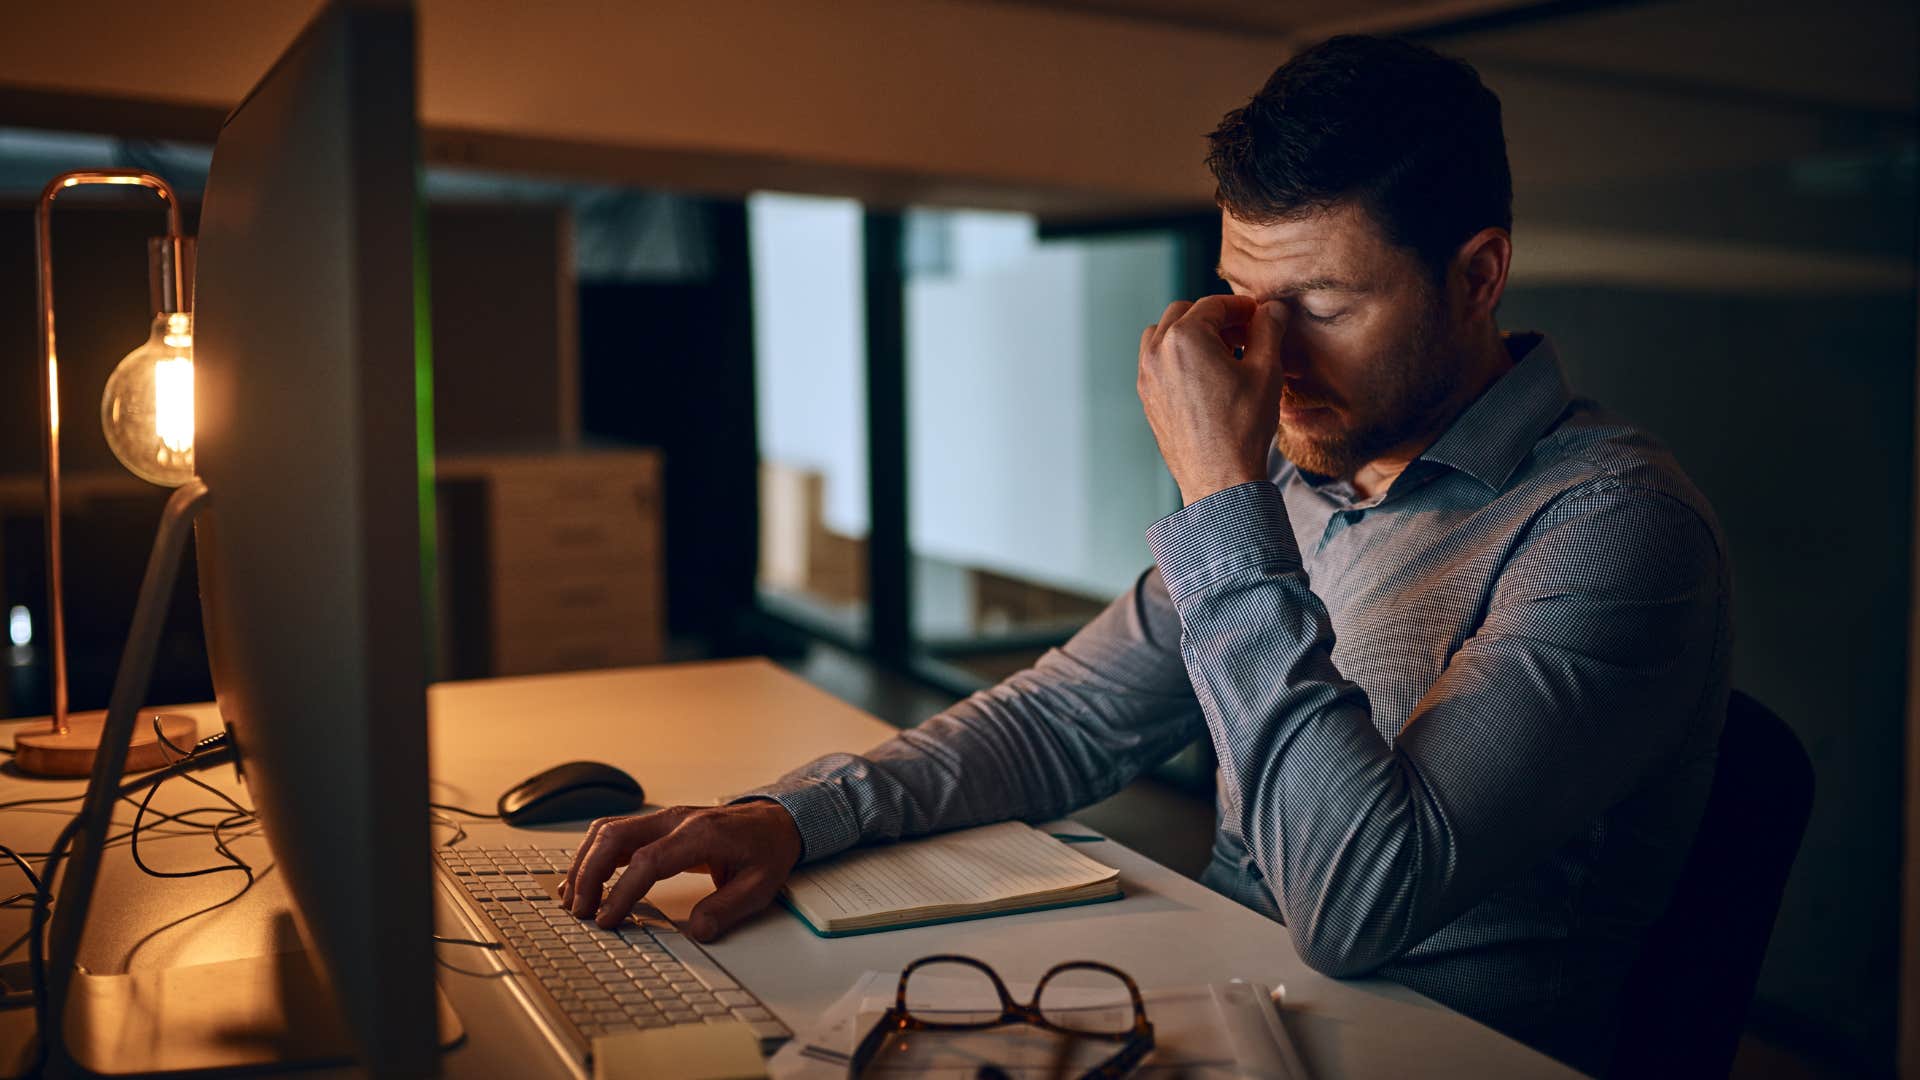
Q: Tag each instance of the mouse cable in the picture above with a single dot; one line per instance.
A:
(463, 810)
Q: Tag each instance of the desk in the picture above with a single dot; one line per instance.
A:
(693, 733)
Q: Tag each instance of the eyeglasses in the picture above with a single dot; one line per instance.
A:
(1057, 1006)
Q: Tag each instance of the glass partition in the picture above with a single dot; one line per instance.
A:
(1033, 474)
(809, 304)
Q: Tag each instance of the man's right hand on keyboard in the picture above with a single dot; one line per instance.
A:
(748, 848)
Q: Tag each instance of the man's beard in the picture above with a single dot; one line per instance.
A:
(1399, 398)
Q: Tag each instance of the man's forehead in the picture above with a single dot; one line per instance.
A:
(1330, 249)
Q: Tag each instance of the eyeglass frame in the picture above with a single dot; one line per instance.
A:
(898, 1018)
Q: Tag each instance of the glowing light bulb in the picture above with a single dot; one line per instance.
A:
(147, 410)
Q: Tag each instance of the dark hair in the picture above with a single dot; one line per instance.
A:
(1411, 136)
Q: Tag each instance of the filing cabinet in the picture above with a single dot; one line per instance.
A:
(550, 562)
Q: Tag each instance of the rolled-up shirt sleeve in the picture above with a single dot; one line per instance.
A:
(1069, 731)
(1598, 642)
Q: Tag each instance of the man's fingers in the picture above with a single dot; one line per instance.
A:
(744, 894)
(612, 843)
(1169, 317)
(688, 846)
(1220, 311)
(579, 855)
(1222, 317)
(1264, 331)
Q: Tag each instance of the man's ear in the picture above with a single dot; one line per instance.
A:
(1479, 272)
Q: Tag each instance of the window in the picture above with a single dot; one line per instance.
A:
(809, 306)
(1032, 473)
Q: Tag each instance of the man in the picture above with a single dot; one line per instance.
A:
(1460, 640)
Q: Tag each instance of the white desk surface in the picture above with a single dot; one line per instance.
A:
(692, 733)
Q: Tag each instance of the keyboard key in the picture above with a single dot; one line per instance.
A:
(754, 1014)
(735, 998)
(709, 1008)
(770, 1029)
(689, 954)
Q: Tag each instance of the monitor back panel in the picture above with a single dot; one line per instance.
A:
(310, 552)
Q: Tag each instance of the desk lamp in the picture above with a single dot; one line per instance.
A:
(147, 413)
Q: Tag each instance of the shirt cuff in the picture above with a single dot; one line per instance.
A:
(1244, 527)
(827, 824)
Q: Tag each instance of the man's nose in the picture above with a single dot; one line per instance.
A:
(1294, 361)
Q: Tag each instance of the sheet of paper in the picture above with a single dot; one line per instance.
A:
(970, 866)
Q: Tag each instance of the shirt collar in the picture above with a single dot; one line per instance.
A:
(1494, 435)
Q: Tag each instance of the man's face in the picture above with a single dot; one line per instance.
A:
(1366, 352)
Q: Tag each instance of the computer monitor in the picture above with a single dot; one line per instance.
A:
(309, 438)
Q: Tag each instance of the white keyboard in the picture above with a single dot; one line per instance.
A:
(646, 974)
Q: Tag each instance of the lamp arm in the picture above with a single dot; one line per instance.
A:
(50, 388)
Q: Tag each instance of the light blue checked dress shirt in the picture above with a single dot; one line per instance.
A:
(1465, 729)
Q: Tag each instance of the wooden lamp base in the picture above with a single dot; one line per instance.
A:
(70, 754)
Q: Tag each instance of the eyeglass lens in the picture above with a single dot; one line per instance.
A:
(1089, 1000)
(949, 992)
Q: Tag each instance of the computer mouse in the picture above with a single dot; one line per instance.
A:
(571, 792)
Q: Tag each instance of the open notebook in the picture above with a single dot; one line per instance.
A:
(969, 874)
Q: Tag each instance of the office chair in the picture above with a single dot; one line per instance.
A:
(1686, 999)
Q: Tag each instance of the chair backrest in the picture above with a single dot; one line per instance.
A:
(1686, 1000)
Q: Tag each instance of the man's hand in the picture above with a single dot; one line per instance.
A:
(1214, 416)
(748, 848)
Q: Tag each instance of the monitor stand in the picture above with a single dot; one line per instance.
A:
(267, 1010)
(262, 1010)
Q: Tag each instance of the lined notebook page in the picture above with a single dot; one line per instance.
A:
(988, 865)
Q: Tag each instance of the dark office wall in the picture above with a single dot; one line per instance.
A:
(670, 364)
(101, 314)
(1795, 415)
(503, 350)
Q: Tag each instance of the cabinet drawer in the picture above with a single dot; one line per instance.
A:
(528, 598)
(605, 541)
(574, 648)
(634, 493)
